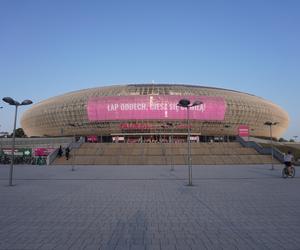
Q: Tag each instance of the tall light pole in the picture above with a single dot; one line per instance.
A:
(0, 139)
(1, 143)
(270, 124)
(15, 103)
(252, 129)
(185, 103)
(170, 124)
(227, 127)
(74, 125)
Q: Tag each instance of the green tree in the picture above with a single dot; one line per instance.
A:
(19, 133)
(282, 140)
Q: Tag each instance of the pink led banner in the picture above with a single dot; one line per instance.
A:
(155, 107)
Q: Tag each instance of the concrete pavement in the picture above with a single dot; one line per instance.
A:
(149, 207)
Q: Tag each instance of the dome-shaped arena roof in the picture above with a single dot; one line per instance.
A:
(149, 108)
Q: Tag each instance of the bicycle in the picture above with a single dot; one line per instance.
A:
(285, 172)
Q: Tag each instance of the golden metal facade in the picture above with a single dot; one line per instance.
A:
(53, 116)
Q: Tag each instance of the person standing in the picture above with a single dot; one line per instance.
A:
(60, 151)
(288, 159)
(67, 153)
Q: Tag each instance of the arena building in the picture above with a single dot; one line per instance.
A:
(150, 112)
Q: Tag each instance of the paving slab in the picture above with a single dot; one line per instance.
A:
(149, 207)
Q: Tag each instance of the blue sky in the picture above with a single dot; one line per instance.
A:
(50, 47)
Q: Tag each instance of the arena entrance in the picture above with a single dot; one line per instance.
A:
(158, 138)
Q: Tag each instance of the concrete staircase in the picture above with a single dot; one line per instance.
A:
(228, 153)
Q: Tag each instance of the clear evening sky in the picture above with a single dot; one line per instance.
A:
(50, 47)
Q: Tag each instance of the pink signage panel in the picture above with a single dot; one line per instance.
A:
(243, 130)
(155, 107)
(92, 138)
(43, 151)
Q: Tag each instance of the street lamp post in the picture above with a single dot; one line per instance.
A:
(187, 104)
(1, 139)
(270, 124)
(15, 103)
(227, 127)
(0, 126)
(74, 125)
(170, 124)
(252, 129)
(0, 143)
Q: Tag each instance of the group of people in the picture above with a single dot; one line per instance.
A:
(67, 152)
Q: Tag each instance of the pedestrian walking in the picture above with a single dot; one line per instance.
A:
(67, 153)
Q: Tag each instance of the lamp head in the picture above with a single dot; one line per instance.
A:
(10, 101)
(184, 103)
(269, 123)
(26, 102)
(196, 103)
(75, 124)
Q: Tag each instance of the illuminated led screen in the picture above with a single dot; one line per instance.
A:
(155, 107)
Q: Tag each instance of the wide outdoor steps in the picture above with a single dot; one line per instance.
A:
(163, 154)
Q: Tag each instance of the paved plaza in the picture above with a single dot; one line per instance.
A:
(149, 207)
